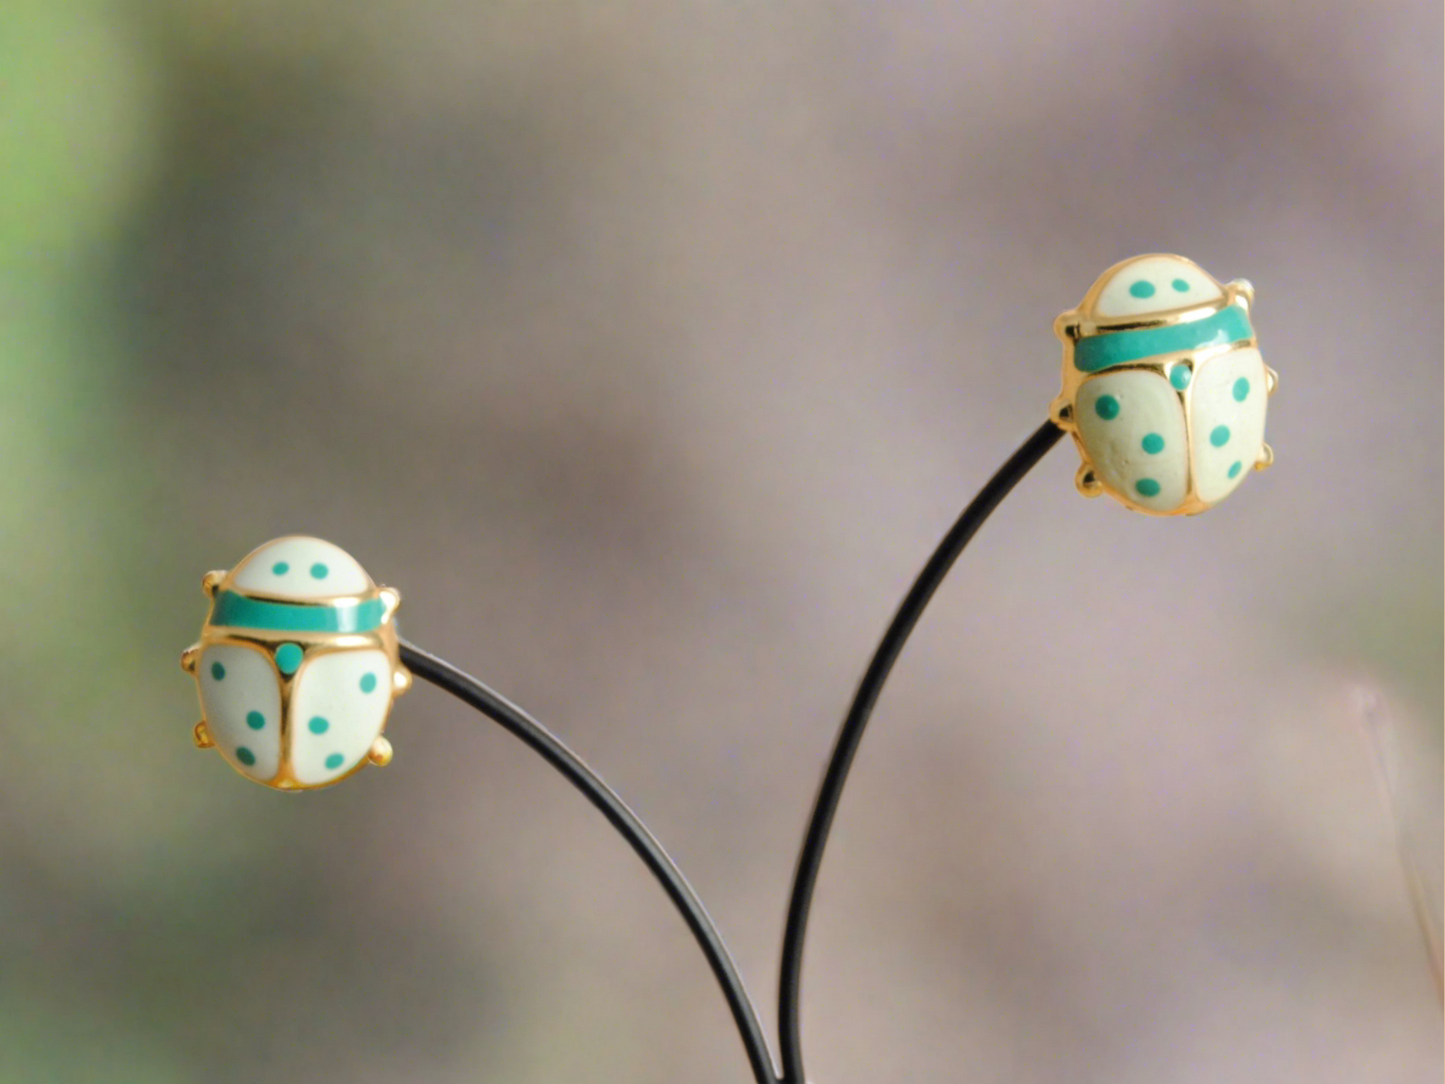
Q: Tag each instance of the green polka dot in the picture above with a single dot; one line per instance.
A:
(1147, 487)
(1142, 288)
(318, 725)
(1153, 443)
(1180, 376)
(368, 682)
(245, 756)
(1180, 286)
(288, 658)
(1241, 390)
(1219, 436)
(335, 760)
(319, 571)
(1235, 468)
(255, 720)
(1107, 407)
(217, 671)
(280, 568)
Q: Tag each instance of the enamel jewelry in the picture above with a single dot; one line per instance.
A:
(297, 665)
(1164, 389)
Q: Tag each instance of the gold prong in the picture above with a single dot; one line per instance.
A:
(1271, 380)
(1061, 412)
(211, 580)
(1266, 457)
(401, 680)
(391, 599)
(1245, 289)
(189, 657)
(1087, 482)
(202, 736)
(380, 754)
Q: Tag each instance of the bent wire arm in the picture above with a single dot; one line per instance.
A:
(523, 726)
(513, 719)
(850, 734)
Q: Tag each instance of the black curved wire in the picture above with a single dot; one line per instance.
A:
(810, 858)
(512, 718)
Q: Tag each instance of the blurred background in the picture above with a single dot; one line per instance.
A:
(648, 349)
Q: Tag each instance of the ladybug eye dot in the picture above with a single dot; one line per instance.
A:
(1142, 288)
(1180, 285)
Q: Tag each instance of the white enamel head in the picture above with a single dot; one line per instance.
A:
(297, 665)
(1152, 284)
(300, 567)
(1164, 388)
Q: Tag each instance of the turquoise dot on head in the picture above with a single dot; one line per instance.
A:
(255, 720)
(318, 725)
(1153, 443)
(1235, 468)
(368, 682)
(335, 761)
(1180, 376)
(1107, 407)
(319, 571)
(280, 568)
(1147, 487)
(217, 671)
(1241, 390)
(245, 756)
(1180, 286)
(1142, 288)
(288, 658)
(1219, 436)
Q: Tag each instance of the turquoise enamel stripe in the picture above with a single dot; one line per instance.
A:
(1228, 325)
(242, 612)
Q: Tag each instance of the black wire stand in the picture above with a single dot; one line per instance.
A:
(551, 748)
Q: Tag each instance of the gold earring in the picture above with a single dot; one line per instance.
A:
(297, 665)
(1164, 389)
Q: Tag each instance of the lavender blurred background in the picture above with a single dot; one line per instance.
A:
(648, 349)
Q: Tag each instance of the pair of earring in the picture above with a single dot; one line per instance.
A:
(1164, 392)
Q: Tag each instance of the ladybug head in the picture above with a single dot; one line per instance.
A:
(299, 568)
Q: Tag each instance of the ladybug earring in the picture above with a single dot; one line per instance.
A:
(1164, 389)
(297, 665)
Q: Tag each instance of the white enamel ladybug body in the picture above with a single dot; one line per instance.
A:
(297, 665)
(1164, 389)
